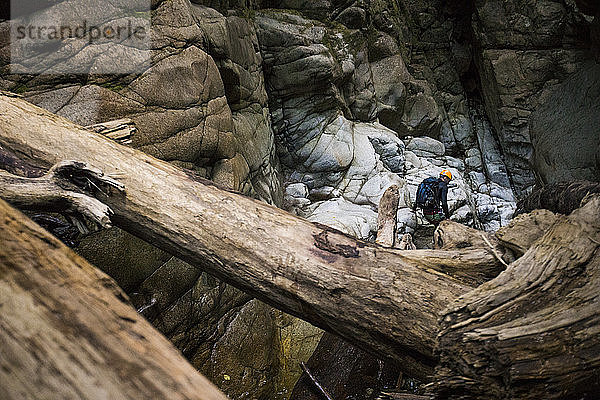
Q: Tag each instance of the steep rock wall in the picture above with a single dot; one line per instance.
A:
(525, 49)
(328, 86)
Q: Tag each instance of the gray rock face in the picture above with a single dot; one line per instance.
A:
(543, 41)
(426, 147)
(345, 216)
(421, 116)
(187, 131)
(565, 129)
(350, 203)
(300, 71)
(233, 44)
(336, 158)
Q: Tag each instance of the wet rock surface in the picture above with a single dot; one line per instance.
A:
(564, 129)
(344, 372)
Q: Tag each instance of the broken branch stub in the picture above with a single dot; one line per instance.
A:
(68, 187)
(387, 217)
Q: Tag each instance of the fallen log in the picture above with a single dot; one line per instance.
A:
(14, 165)
(531, 333)
(379, 299)
(467, 242)
(470, 266)
(67, 330)
(450, 235)
(531, 330)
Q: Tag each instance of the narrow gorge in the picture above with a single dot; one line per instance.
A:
(317, 108)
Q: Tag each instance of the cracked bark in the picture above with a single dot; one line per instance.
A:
(532, 332)
(68, 331)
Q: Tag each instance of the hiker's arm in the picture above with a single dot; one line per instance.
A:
(444, 196)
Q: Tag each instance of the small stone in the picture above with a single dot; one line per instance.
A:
(297, 190)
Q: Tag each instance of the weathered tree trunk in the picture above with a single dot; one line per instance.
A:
(406, 243)
(387, 216)
(381, 299)
(525, 229)
(67, 331)
(533, 332)
(452, 236)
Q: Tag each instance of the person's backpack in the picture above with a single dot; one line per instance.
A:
(427, 194)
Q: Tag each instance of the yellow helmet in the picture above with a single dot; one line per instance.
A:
(446, 173)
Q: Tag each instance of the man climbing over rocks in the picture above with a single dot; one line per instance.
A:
(432, 197)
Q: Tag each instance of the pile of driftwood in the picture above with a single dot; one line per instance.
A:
(514, 315)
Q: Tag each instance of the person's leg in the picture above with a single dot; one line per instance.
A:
(430, 218)
(439, 217)
(435, 218)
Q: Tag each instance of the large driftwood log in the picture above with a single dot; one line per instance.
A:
(531, 333)
(383, 300)
(513, 337)
(68, 332)
(525, 229)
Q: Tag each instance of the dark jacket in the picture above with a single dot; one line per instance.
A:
(442, 195)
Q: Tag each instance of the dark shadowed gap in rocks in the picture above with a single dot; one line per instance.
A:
(345, 372)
